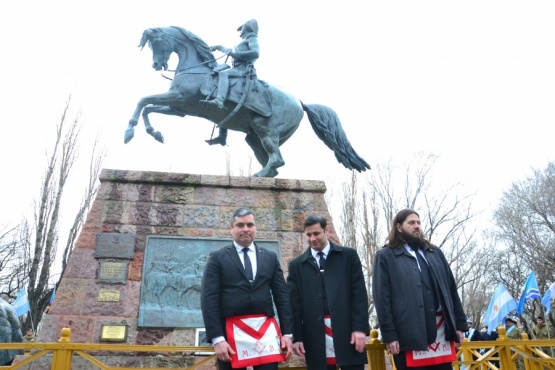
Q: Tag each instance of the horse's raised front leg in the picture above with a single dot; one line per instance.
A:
(162, 109)
(167, 99)
(130, 132)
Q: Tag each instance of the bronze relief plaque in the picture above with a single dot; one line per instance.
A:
(172, 276)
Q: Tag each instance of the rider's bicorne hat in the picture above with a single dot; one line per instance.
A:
(252, 24)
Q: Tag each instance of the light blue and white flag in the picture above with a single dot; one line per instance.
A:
(21, 303)
(501, 304)
(531, 291)
(52, 296)
(546, 300)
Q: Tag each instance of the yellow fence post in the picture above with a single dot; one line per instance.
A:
(61, 359)
(375, 351)
(466, 353)
(505, 358)
(528, 364)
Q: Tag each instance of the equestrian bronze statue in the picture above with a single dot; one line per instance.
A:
(268, 115)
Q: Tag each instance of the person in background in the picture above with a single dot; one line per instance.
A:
(484, 333)
(513, 331)
(330, 302)
(416, 298)
(472, 334)
(29, 336)
(541, 332)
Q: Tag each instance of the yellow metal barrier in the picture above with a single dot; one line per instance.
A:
(376, 352)
(489, 355)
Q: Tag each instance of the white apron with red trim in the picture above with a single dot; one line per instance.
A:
(330, 351)
(255, 339)
(439, 352)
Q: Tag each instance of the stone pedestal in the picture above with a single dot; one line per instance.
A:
(168, 204)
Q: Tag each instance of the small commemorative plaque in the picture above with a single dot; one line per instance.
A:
(112, 272)
(113, 333)
(114, 245)
(109, 295)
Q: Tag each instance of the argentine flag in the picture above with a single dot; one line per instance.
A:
(546, 300)
(501, 304)
(531, 291)
(21, 303)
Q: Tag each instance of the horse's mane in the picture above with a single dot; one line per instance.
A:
(200, 46)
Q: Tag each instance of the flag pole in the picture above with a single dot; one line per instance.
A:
(32, 324)
(546, 321)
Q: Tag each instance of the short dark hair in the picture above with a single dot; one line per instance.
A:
(315, 219)
(240, 212)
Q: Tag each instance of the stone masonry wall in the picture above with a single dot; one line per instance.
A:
(155, 203)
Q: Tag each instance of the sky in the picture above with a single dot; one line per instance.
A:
(472, 82)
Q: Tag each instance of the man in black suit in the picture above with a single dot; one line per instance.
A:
(327, 289)
(241, 279)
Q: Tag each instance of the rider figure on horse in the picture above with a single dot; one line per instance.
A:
(244, 55)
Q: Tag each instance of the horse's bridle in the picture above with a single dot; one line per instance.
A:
(183, 70)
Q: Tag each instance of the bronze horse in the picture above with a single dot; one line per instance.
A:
(264, 134)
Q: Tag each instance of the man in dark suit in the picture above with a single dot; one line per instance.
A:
(239, 280)
(326, 285)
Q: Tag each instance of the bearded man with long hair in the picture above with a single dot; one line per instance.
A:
(416, 298)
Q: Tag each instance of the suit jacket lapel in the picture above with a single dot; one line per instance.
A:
(234, 256)
(260, 261)
(309, 259)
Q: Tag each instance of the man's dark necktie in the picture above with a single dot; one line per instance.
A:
(430, 305)
(322, 263)
(248, 265)
(322, 260)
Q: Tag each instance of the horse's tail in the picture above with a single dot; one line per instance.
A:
(326, 125)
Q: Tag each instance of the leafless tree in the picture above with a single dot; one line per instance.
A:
(34, 265)
(447, 215)
(525, 224)
(14, 258)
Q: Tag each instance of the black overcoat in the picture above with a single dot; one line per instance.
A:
(347, 300)
(397, 293)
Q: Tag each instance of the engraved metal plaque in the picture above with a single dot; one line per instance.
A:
(112, 272)
(113, 333)
(115, 245)
(171, 279)
(109, 295)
